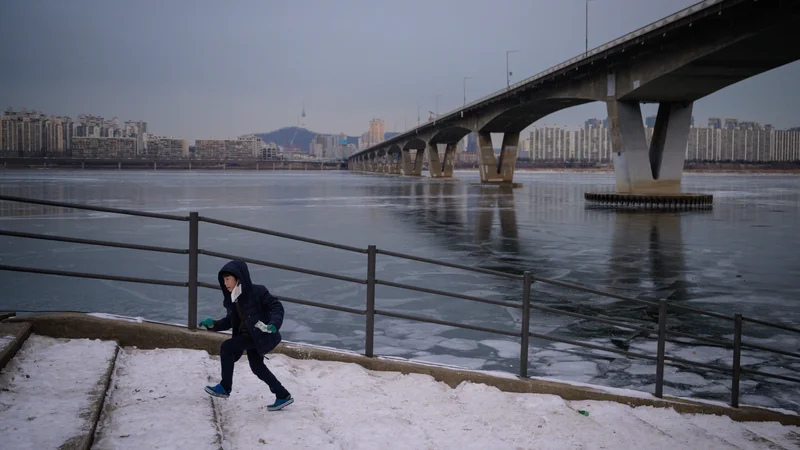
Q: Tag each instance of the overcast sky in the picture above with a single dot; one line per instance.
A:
(201, 69)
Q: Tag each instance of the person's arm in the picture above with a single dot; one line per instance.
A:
(275, 308)
(216, 325)
(222, 324)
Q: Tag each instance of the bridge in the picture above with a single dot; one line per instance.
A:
(673, 62)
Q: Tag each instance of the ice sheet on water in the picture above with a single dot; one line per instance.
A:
(458, 344)
(505, 349)
(425, 343)
(687, 378)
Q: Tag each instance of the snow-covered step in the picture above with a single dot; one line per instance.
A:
(52, 391)
(12, 336)
(156, 400)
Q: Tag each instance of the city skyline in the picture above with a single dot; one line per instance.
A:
(161, 64)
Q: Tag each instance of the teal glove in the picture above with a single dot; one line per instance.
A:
(266, 328)
(208, 323)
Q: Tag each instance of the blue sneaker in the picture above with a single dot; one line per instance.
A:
(217, 391)
(280, 403)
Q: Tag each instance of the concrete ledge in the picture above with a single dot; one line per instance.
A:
(18, 332)
(150, 335)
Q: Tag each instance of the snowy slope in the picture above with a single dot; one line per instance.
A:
(344, 406)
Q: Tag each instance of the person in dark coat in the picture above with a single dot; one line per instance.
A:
(255, 316)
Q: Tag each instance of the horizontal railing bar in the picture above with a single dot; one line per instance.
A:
(592, 346)
(701, 338)
(578, 287)
(449, 264)
(446, 323)
(448, 294)
(126, 212)
(282, 266)
(322, 305)
(45, 237)
(773, 325)
(95, 276)
(282, 235)
(768, 349)
(770, 375)
(689, 363)
(596, 319)
(700, 311)
(208, 285)
(299, 301)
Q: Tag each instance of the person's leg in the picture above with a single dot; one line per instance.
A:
(263, 373)
(229, 352)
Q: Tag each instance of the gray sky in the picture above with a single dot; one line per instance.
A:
(200, 69)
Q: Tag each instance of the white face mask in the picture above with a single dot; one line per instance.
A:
(236, 292)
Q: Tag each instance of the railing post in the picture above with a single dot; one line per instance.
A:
(737, 357)
(194, 226)
(662, 337)
(527, 279)
(372, 252)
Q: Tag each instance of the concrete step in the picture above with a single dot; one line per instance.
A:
(12, 336)
(52, 392)
(156, 400)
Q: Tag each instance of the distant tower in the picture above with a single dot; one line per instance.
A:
(304, 110)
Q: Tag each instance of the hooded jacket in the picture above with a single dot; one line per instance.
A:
(256, 304)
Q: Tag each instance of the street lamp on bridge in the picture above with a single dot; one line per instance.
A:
(508, 74)
(586, 52)
(465, 89)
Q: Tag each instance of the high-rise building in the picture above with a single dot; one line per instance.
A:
(650, 121)
(104, 147)
(714, 122)
(160, 147)
(31, 133)
(376, 131)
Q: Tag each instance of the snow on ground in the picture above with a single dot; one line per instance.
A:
(45, 390)
(341, 405)
(5, 340)
(156, 400)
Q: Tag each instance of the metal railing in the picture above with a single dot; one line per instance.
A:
(525, 305)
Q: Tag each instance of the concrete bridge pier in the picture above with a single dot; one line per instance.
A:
(649, 177)
(655, 169)
(397, 164)
(497, 170)
(437, 168)
(407, 166)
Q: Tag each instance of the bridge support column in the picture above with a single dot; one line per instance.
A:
(419, 159)
(405, 161)
(649, 170)
(441, 169)
(494, 171)
(397, 165)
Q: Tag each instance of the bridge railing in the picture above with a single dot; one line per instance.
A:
(526, 303)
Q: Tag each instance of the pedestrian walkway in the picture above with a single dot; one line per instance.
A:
(155, 399)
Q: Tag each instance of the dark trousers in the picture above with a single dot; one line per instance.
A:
(230, 352)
